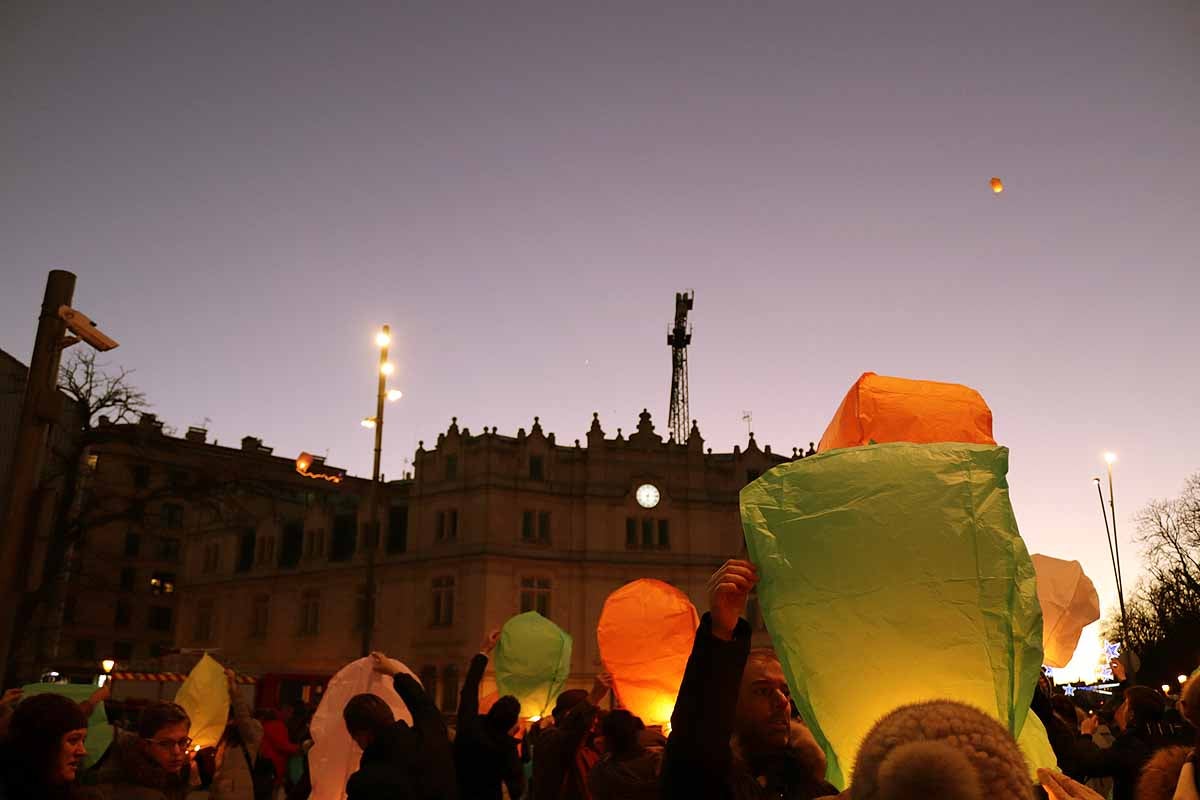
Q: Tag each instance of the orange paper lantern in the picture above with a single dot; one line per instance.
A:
(997, 185)
(645, 634)
(881, 409)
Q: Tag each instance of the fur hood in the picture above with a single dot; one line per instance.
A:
(1161, 775)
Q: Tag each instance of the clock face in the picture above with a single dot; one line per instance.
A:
(647, 495)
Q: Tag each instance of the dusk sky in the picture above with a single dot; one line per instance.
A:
(246, 190)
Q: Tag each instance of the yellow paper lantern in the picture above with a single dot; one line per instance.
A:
(205, 697)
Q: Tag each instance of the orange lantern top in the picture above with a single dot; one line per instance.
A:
(645, 633)
(997, 185)
(882, 409)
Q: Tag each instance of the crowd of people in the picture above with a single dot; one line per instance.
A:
(735, 735)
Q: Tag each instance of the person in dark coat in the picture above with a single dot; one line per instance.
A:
(632, 760)
(485, 752)
(43, 751)
(733, 733)
(399, 762)
(152, 763)
(562, 758)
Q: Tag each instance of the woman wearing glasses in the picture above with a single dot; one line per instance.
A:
(152, 763)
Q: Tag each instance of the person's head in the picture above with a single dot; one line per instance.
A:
(764, 706)
(504, 714)
(566, 701)
(163, 728)
(621, 729)
(47, 733)
(941, 749)
(366, 717)
(1142, 705)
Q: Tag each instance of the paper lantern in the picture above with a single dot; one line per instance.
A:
(881, 409)
(99, 732)
(891, 574)
(533, 662)
(997, 185)
(1069, 604)
(645, 635)
(334, 756)
(205, 697)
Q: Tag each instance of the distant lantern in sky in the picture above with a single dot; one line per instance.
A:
(997, 185)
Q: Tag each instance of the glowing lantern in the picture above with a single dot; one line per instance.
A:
(533, 662)
(1069, 604)
(881, 409)
(997, 185)
(205, 697)
(334, 756)
(645, 635)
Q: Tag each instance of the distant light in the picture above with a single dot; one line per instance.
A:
(368, 422)
(387, 368)
(1096, 480)
(107, 665)
(1110, 457)
(1166, 687)
(997, 185)
(535, 718)
(394, 394)
(1182, 679)
(383, 339)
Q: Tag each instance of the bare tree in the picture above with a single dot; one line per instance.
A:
(100, 392)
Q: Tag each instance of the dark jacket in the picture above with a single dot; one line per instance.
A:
(127, 773)
(558, 769)
(699, 760)
(18, 781)
(1123, 762)
(408, 763)
(483, 758)
(633, 776)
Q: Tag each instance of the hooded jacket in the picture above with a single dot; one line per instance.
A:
(127, 773)
(484, 758)
(700, 759)
(234, 779)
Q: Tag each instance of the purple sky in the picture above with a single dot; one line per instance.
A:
(245, 191)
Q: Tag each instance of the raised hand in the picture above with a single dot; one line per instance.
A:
(1060, 787)
(489, 642)
(728, 591)
(387, 666)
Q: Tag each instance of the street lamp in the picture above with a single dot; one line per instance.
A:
(1182, 679)
(1114, 546)
(106, 665)
(1166, 687)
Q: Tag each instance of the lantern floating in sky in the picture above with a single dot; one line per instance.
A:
(1069, 604)
(645, 635)
(533, 662)
(997, 185)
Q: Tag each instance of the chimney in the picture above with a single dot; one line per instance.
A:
(252, 444)
(195, 434)
(149, 420)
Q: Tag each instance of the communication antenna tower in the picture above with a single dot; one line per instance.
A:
(678, 339)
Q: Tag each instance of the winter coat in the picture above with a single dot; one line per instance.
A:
(1123, 762)
(700, 759)
(277, 747)
(561, 761)
(408, 763)
(634, 776)
(16, 782)
(127, 773)
(483, 758)
(234, 779)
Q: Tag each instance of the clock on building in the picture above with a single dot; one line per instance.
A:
(648, 495)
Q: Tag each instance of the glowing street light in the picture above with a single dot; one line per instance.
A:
(1166, 687)
(1182, 679)
(368, 422)
(107, 665)
(387, 368)
(1110, 458)
(394, 394)
(1114, 546)
(383, 338)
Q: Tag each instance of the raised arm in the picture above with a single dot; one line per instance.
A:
(250, 729)
(468, 699)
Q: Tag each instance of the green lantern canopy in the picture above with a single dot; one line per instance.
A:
(533, 662)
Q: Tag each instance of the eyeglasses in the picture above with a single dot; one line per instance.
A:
(172, 744)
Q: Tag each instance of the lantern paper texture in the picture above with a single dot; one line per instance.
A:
(890, 574)
(334, 756)
(645, 634)
(880, 409)
(1069, 604)
(204, 695)
(99, 732)
(533, 662)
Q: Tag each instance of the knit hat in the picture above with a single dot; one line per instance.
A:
(940, 749)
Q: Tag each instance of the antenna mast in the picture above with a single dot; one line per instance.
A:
(678, 339)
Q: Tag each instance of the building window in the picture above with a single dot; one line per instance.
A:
(128, 579)
(85, 649)
(543, 527)
(161, 618)
(124, 615)
(429, 681)
(397, 536)
(260, 616)
(535, 596)
(537, 468)
(443, 601)
(631, 539)
(93, 462)
(647, 541)
(168, 549)
(451, 467)
(141, 476)
(123, 652)
(204, 621)
(647, 534)
(450, 689)
(172, 516)
(212, 556)
(310, 612)
(447, 525)
(293, 544)
(246, 547)
(664, 534)
(527, 533)
(266, 551)
(162, 583)
(133, 544)
(315, 545)
(69, 611)
(345, 535)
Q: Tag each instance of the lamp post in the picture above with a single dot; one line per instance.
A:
(107, 665)
(382, 340)
(1110, 458)
(1108, 537)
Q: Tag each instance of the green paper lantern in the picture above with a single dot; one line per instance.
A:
(891, 574)
(533, 662)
